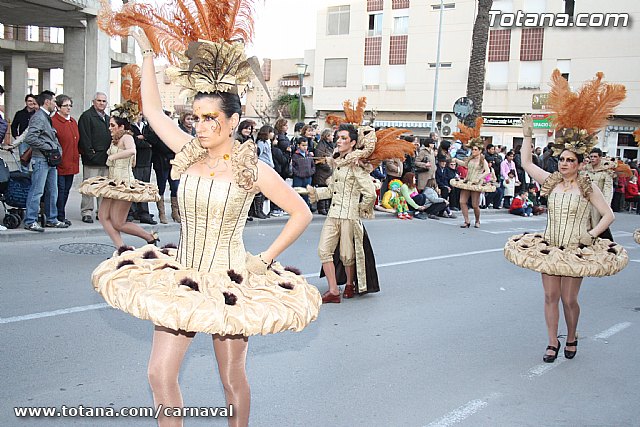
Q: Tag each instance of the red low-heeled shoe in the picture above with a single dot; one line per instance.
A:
(349, 291)
(328, 297)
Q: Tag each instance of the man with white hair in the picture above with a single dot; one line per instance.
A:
(95, 139)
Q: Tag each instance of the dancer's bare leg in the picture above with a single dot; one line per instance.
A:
(104, 216)
(551, 285)
(167, 353)
(231, 354)
(570, 287)
(119, 212)
(464, 197)
(330, 273)
(475, 203)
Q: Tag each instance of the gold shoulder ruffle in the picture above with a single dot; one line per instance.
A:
(191, 153)
(136, 191)
(244, 162)
(603, 258)
(150, 284)
(584, 184)
(485, 187)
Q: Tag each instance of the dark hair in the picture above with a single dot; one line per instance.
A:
(428, 141)
(489, 146)
(279, 125)
(408, 178)
(353, 133)
(60, 99)
(246, 124)
(121, 121)
(263, 133)
(597, 151)
(580, 157)
(441, 158)
(512, 172)
(445, 145)
(510, 153)
(229, 102)
(44, 96)
(183, 116)
(298, 126)
(304, 129)
(29, 95)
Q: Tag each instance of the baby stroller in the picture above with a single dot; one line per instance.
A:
(14, 187)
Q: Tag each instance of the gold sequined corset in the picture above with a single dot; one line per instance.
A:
(213, 218)
(475, 170)
(120, 170)
(568, 218)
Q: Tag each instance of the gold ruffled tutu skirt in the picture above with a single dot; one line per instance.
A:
(134, 191)
(485, 187)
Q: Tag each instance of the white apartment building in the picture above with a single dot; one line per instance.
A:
(386, 50)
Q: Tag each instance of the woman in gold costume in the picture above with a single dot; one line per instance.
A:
(209, 283)
(569, 248)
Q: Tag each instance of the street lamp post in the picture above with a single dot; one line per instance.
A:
(302, 69)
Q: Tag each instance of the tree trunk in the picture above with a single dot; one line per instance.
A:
(480, 37)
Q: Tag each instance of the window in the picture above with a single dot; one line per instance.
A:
(372, 50)
(398, 50)
(396, 77)
(530, 75)
(371, 78)
(442, 65)
(445, 6)
(531, 44)
(375, 24)
(401, 25)
(374, 5)
(335, 72)
(497, 76)
(338, 20)
(499, 44)
(400, 4)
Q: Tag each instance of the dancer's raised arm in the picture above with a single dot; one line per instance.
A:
(534, 171)
(163, 126)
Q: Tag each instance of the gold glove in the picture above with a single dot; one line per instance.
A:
(256, 265)
(313, 195)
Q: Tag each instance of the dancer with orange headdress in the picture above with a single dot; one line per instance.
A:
(569, 248)
(120, 188)
(344, 244)
(209, 283)
(477, 171)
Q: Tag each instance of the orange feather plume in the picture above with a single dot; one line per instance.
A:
(172, 25)
(351, 115)
(468, 133)
(587, 109)
(390, 146)
(130, 86)
(636, 136)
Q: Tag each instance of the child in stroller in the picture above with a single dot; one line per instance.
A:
(14, 187)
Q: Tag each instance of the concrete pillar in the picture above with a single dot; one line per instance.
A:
(44, 79)
(73, 64)
(98, 61)
(16, 84)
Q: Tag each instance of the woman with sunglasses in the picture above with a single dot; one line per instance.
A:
(569, 248)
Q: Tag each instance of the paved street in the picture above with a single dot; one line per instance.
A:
(455, 337)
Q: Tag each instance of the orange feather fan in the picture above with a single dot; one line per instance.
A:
(587, 109)
(466, 133)
(636, 136)
(172, 25)
(351, 115)
(130, 87)
(389, 146)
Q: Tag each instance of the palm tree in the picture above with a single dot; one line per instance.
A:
(475, 82)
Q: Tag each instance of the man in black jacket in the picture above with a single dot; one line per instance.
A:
(95, 139)
(141, 171)
(20, 123)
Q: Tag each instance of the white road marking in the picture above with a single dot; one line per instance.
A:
(543, 368)
(612, 331)
(463, 412)
(308, 275)
(53, 313)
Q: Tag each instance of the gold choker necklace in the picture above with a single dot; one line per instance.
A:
(215, 168)
(567, 186)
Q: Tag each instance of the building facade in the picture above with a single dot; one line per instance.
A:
(387, 50)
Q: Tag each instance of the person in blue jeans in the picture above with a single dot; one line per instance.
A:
(44, 179)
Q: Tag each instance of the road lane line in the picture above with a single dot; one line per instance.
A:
(308, 275)
(53, 313)
(612, 331)
(463, 412)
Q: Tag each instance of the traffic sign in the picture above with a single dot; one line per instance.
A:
(463, 107)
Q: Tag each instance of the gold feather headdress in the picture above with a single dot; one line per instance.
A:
(470, 136)
(580, 115)
(202, 39)
(131, 105)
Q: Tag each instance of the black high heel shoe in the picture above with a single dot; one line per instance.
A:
(466, 225)
(156, 238)
(547, 358)
(568, 354)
